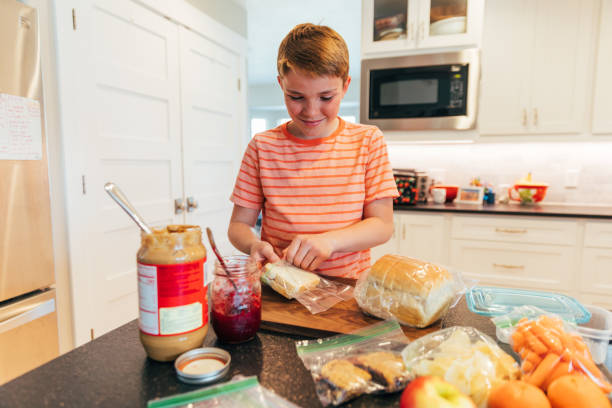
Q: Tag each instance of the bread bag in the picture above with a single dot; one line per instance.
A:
(414, 292)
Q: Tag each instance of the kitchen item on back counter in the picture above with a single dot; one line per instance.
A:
(412, 186)
(528, 191)
(236, 306)
(202, 365)
(493, 301)
(451, 191)
(439, 195)
(172, 297)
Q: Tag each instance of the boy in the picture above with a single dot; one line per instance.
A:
(324, 186)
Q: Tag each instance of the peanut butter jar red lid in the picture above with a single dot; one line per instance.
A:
(202, 365)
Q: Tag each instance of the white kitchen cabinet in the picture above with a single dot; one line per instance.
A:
(602, 104)
(400, 27)
(535, 66)
(595, 278)
(156, 108)
(392, 245)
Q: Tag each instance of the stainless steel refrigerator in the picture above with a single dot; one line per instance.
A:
(28, 319)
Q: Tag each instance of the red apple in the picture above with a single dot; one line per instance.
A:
(433, 392)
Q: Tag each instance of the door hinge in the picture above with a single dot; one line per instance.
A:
(91, 332)
(73, 19)
(238, 84)
(83, 184)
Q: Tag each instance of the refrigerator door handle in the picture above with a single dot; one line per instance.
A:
(34, 312)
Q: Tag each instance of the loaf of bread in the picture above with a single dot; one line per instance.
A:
(288, 280)
(414, 292)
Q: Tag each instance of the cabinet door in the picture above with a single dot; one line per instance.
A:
(120, 97)
(561, 67)
(212, 112)
(388, 25)
(506, 67)
(596, 267)
(602, 105)
(445, 23)
(423, 237)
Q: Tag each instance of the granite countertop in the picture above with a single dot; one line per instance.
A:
(547, 210)
(113, 371)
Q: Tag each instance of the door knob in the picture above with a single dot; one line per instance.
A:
(179, 206)
(192, 204)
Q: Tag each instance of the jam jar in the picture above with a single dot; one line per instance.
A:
(173, 305)
(236, 310)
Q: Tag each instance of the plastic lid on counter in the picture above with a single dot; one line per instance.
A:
(492, 301)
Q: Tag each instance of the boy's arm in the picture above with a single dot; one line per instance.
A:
(309, 251)
(241, 235)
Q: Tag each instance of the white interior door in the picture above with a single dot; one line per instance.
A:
(129, 120)
(212, 111)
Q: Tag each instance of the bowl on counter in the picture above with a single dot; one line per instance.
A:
(528, 193)
(451, 191)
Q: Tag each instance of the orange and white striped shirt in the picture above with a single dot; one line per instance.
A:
(314, 186)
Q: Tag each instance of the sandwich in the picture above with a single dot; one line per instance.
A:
(289, 280)
(414, 292)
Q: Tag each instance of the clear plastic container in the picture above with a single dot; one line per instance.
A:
(492, 301)
(597, 332)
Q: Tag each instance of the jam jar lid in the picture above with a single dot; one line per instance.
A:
(202, 365)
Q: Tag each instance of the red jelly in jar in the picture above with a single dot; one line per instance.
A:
(236, 311)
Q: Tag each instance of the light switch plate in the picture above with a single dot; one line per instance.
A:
(571, 178)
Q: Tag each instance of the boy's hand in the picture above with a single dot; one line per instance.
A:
(308, 251)
(263, 252)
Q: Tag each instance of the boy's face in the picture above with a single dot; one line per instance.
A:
(312, 102)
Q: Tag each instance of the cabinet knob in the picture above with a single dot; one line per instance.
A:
(179, 206)
(192, 204)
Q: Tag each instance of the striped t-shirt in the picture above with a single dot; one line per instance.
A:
(317, 185)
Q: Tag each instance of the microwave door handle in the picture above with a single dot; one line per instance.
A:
(35, 311)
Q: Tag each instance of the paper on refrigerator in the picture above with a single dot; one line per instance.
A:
(20, 128)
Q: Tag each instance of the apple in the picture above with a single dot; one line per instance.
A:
(433, 392)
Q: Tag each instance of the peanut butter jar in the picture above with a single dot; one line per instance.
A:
(173, 305)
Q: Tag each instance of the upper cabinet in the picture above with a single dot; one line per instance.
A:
(400, 27)
(602, 104)
(535, 66)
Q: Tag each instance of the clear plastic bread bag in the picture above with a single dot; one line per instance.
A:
(416, 293)
(346, 366)
(550, 347)
(314, 292)
(239, 392)
(464, 357)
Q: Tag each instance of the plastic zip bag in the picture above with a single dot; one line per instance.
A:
(239, 392)
(464, 357)
(315, 293)
(363, 362)
(549, 348)
(504, 324)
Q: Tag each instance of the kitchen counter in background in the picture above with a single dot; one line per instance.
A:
(113, 371)
(546, 210)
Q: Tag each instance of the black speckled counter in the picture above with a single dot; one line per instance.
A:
(540, 210)
(113, 371)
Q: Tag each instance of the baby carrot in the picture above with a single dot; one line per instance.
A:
(526, 368)
(544, 369)
(560, 369)
(535, 344)
(532, 357)
(518, 340)
(547, 337)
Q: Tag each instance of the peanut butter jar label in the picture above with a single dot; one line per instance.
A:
(172, 298)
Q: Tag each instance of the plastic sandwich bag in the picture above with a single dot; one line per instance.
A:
(505, 324)
(363, 362)
(415, 292)
(550, 347)
(239, 392)
(314, 292)
(464, 357)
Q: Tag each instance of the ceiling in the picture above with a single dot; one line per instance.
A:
(270, 20)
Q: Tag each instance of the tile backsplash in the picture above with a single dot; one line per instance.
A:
(505, 163)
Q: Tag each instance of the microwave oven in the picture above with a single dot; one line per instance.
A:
(417, 92)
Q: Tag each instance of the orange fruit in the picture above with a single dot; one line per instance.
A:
(516, 393)
(571, 391)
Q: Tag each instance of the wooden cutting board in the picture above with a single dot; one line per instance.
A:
(289, 316)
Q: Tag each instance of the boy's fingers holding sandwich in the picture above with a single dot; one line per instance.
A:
(263, 251)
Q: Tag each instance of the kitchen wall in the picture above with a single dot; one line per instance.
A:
(504, 163)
